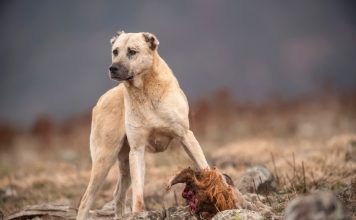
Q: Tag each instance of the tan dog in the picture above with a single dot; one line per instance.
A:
(147, 111)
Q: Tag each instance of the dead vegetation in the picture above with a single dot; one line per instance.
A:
(303, 142)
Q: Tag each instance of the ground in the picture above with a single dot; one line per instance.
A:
(304, 143)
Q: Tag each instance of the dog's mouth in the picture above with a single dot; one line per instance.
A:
(129, 78)
(117, 78)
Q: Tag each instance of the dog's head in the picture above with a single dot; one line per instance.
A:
(132, 54)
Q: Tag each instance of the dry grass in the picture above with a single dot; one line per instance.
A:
(303, 142)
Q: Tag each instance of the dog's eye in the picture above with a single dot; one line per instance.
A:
(115, 52)
(131, 52)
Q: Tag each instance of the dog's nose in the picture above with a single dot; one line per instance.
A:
(113, 68)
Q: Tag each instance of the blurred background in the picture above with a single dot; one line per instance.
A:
(279, 75)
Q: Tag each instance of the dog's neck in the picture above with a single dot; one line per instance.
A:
(150, 84)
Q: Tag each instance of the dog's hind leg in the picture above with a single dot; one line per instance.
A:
(124, 180)
(106, 140)
(102, 161)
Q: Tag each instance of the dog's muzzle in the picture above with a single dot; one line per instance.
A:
(119, 73)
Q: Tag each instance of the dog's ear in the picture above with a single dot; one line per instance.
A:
(117, 34)
(151, 40)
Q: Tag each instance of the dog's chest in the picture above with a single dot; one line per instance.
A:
(158, 139)
(147, 113)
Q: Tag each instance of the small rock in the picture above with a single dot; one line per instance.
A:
(351, 151)
(242, 214)
(317, 206)
(7, 193)
(154, 215)
(173, 213)
(110, 206)
(179, 213)
(258, 177)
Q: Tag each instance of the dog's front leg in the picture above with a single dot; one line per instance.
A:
(193, 149)
(137, 171)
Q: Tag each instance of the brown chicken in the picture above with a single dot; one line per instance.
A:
(207, 191)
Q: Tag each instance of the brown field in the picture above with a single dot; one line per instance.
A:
(304, 142)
